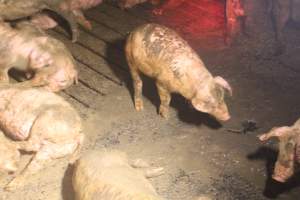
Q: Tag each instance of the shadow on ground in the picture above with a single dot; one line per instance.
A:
(273, 188)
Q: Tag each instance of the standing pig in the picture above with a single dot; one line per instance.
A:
(29, 49)
(39, 122)
(162, 54)
(70, 10)
(108, 175)
(289, 150)
(73, 7)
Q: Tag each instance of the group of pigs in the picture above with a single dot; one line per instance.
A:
(35, 120)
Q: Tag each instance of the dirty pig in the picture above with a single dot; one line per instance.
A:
(18, 9)
(40, 123)
(27, 48)
(289, 150)
(107, 174)
(163, 55)
(73, 7)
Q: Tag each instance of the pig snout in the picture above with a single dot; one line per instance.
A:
(221, 114)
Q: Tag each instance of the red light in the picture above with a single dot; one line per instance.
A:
(201, 22)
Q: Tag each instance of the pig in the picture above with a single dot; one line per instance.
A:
(234, 11)
(38, 122)
(106, 174)
(163, 55)
(29, 49)
(69, 6)
(283, 11)
(289, 150)
(125, 4)
(70, 10)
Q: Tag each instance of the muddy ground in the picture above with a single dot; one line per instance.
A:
(200, 156)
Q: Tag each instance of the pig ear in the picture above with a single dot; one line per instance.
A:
(275, 132)
(222, 82)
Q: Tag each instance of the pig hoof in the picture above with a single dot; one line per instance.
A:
(139, 105)
(163, 112)
(88, 25)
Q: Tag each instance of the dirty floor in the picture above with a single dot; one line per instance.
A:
(199, 155)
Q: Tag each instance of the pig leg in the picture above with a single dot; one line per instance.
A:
(137, 85)
(165, 98)
(69, 16)
(82, 20)
(4, 78)
(47, 153)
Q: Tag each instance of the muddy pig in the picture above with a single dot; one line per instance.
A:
(131, 3)
(163, 55)
(38, 122)
(29, 49)
(70, 10)
(289, 150)
(283, 11)
(74, 7)
(106, 174)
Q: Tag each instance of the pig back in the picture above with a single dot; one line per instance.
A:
(158, 50)
(107, 175)
(20, 108)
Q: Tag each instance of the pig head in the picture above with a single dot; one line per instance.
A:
(210, 99)
(289, 149)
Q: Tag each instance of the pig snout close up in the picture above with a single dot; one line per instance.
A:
(44, 59)
(40, 123)
(163, 55)
(289, 150)
(106, 174)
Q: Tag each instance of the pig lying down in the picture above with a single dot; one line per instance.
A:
(107, 175)
(70, 10)
(29, 49)
(163, 55)
(289, 150)
(38, 122)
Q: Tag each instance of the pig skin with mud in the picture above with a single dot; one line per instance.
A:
(106, 174)
(38, 122)
(29, 49)
(289, 150)
(163, 55)
(70, 10)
